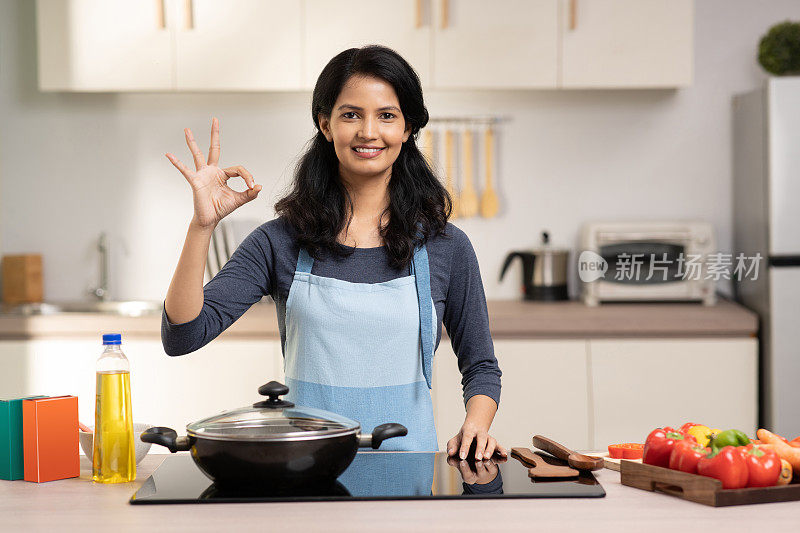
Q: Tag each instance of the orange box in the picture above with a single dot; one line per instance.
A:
(50, 438)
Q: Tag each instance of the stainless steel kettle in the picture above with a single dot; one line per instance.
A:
(544, 271)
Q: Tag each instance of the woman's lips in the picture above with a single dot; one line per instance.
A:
(368, 154)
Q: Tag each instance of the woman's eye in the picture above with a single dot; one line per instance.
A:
(348, 114)
(387, 116)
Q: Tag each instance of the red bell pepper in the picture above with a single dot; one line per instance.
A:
(689, 425)
(685, 456)
(727, 465)
(763, 466)
(659, 444)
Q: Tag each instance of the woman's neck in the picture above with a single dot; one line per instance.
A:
(370, 197)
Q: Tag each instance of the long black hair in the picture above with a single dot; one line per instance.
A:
(319, 207)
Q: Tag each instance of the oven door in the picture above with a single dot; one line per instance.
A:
(644, 262)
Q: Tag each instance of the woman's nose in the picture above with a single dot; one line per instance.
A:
(368, 128)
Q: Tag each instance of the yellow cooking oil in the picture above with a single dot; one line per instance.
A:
(113, 454)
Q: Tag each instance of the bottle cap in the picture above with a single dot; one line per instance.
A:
(112, 338)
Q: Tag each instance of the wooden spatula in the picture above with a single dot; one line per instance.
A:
(489, 202)
(468, 201)
(575, 460)
(540, 468)
(449, 171)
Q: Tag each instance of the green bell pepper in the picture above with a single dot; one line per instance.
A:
(729, 437)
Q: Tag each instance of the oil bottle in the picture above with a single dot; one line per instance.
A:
(113, 454)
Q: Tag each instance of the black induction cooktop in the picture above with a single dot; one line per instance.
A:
(375, 476)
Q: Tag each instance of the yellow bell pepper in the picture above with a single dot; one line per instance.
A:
(702, 434)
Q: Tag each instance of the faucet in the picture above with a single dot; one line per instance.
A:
(101, 291)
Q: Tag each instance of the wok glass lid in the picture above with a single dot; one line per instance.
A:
(273, 420)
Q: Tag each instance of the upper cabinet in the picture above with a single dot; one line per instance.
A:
(103, 45)
(245, 45)
(263, 45)
(119, 45)
(508, 44)
(332, 27)
(626, 43)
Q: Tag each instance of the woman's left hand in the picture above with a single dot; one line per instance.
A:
(485, 444)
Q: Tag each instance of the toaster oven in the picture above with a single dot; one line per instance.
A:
(646, 261)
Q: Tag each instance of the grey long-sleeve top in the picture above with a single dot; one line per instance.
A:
(265, 263)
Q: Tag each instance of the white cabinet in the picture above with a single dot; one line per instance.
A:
(103, 45)
(240, 45)
(332, 27)
(638, 385)
(118, 45)
(544, 392)
(252, 45)
(626, 43)
(504, 44)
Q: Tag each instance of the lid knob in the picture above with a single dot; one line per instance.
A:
(273, 390)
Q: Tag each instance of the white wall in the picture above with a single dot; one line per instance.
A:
(72, 165)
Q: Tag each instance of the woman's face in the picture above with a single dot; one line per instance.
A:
(366, 127)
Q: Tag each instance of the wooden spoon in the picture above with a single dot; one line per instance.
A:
(489, 203)
(468, 201)
(448, 171)
(575, 460)
(427, 146)
(540, 468)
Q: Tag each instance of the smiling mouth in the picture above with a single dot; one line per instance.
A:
(368, 153)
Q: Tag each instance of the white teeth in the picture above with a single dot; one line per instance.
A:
(368, 150)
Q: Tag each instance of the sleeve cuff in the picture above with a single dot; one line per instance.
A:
(492, 390)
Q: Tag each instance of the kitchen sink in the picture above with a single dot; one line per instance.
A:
(123, 308)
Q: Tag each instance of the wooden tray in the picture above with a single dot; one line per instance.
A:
(701, 489)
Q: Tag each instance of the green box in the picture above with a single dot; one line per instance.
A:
(11, 458)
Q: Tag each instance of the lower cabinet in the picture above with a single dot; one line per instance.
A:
(641, 384)
(166, 391)
(585, 393)
(544, 392)
(589, 393)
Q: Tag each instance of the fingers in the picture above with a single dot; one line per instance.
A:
(180, 166)
(239, 170)
(502, 450)
(214, 149)
(480, 450)
(453, 444)
(466, 442)
(491, 446)
(199, 161)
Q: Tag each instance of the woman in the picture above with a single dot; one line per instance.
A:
(361, 262)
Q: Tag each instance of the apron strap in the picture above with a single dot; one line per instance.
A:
(422, 273)
(304, 261)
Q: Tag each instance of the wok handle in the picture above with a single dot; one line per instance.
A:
(387, 431)
(168, 438)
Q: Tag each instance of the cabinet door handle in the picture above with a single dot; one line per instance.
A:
(161, 18)
(573, 14)
(445, 13)
(418, 13)
(188, 6)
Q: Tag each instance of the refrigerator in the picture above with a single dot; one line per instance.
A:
(766, 221)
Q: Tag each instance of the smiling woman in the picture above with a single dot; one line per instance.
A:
(361, 262)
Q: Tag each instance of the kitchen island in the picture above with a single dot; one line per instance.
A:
(78, 505)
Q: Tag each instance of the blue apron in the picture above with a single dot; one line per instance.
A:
(362, 349)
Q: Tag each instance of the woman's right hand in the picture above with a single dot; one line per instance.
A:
(213, 199)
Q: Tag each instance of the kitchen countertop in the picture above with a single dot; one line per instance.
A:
(508, 319)
(78, 505)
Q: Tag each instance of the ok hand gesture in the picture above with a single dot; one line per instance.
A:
(213, 198)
